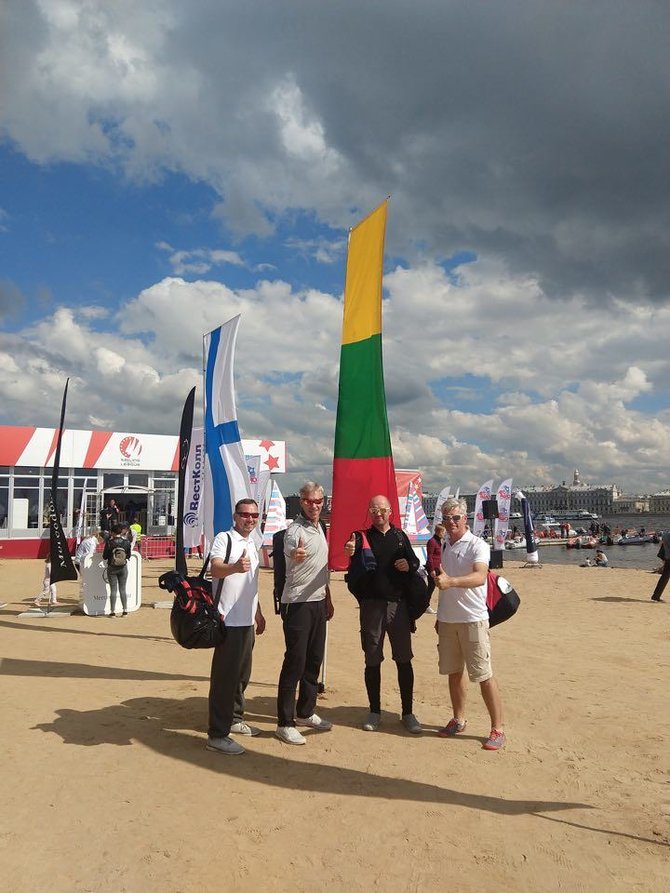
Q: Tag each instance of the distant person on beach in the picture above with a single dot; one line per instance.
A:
(462, 622)
(108, 517)
(85, 548)
(49, 591)
(433, 559)
(306, 607)
(234, 563)
(135, 531)
(664, 554)
(601, 559)
(383, 612)
(116, 553)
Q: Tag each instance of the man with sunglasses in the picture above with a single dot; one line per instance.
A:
(306, 606)
(234, 566)
(383, 611)
(462, 622)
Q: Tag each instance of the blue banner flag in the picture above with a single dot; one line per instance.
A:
(227, 475)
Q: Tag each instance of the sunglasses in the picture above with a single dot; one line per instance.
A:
(453, 518)
(313, 501)
(379, 511)
(248, 515)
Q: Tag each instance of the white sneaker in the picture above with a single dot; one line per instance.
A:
(289, 735)
(224, 745)
(315, 722)
(241, 728)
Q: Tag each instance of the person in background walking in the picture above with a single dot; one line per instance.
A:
(664, 553)
(433, 559)
(49, 591)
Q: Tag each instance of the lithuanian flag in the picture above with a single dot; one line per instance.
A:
(363, 464)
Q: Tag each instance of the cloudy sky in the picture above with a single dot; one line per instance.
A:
(165, 165)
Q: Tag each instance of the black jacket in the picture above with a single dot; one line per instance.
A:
(386, 582)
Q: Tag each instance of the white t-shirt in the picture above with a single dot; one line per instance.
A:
(239, 596)
(458, 605)
(86, 547)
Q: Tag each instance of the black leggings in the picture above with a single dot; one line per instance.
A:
(117, 579)
(373, 684)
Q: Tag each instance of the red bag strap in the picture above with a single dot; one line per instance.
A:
(364, 538)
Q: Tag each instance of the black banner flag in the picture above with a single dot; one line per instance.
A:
(62, 566)
(185, 434)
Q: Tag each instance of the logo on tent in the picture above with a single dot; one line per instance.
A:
(130, 447)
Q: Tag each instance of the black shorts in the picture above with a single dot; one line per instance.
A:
(379, 618)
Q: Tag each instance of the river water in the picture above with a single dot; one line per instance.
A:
(644, 556)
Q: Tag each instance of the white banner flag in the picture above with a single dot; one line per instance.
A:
(82, 513)
(227, 475)
(483, 494)
(437, 516)
(193, 497)
(502, 521)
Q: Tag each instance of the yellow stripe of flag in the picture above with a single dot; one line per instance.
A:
(363, 283)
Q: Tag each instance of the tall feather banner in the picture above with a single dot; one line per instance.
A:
(62, 566)
(185, 434)
(363, 461)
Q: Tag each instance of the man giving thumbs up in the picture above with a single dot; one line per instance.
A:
(305, 609)
(234, 563)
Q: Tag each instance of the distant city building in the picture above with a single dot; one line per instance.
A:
(631, 505)
(574, 497)
(601, 500)
(660, 502)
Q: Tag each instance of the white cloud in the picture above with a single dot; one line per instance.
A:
(562, 405)
(199, 260)
(512, 145)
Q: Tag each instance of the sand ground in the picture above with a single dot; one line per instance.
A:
(107, 786)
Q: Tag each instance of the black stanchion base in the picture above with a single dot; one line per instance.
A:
(496, 561)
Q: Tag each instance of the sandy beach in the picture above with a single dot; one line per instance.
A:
(107, 786)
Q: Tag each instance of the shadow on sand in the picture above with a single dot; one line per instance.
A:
(166, 725)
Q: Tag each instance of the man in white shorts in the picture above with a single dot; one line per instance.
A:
(462, 622)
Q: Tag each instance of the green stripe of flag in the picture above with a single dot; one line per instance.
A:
(362, 429)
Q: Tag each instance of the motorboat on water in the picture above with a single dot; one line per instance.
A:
(582, 542)
(515, 544)
(559, 515)
(637, 539)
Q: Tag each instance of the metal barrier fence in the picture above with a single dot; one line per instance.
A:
(157, 547)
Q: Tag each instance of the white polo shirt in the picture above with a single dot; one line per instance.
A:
(458, 605)
(239, 596)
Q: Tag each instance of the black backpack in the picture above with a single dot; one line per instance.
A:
(195, 621)
(279, 564)
(363, 564)
(118, 555)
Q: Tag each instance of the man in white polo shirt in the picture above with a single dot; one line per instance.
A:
(462, 621)
(234, 561)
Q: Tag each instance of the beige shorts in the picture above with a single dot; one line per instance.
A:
(467, 645)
